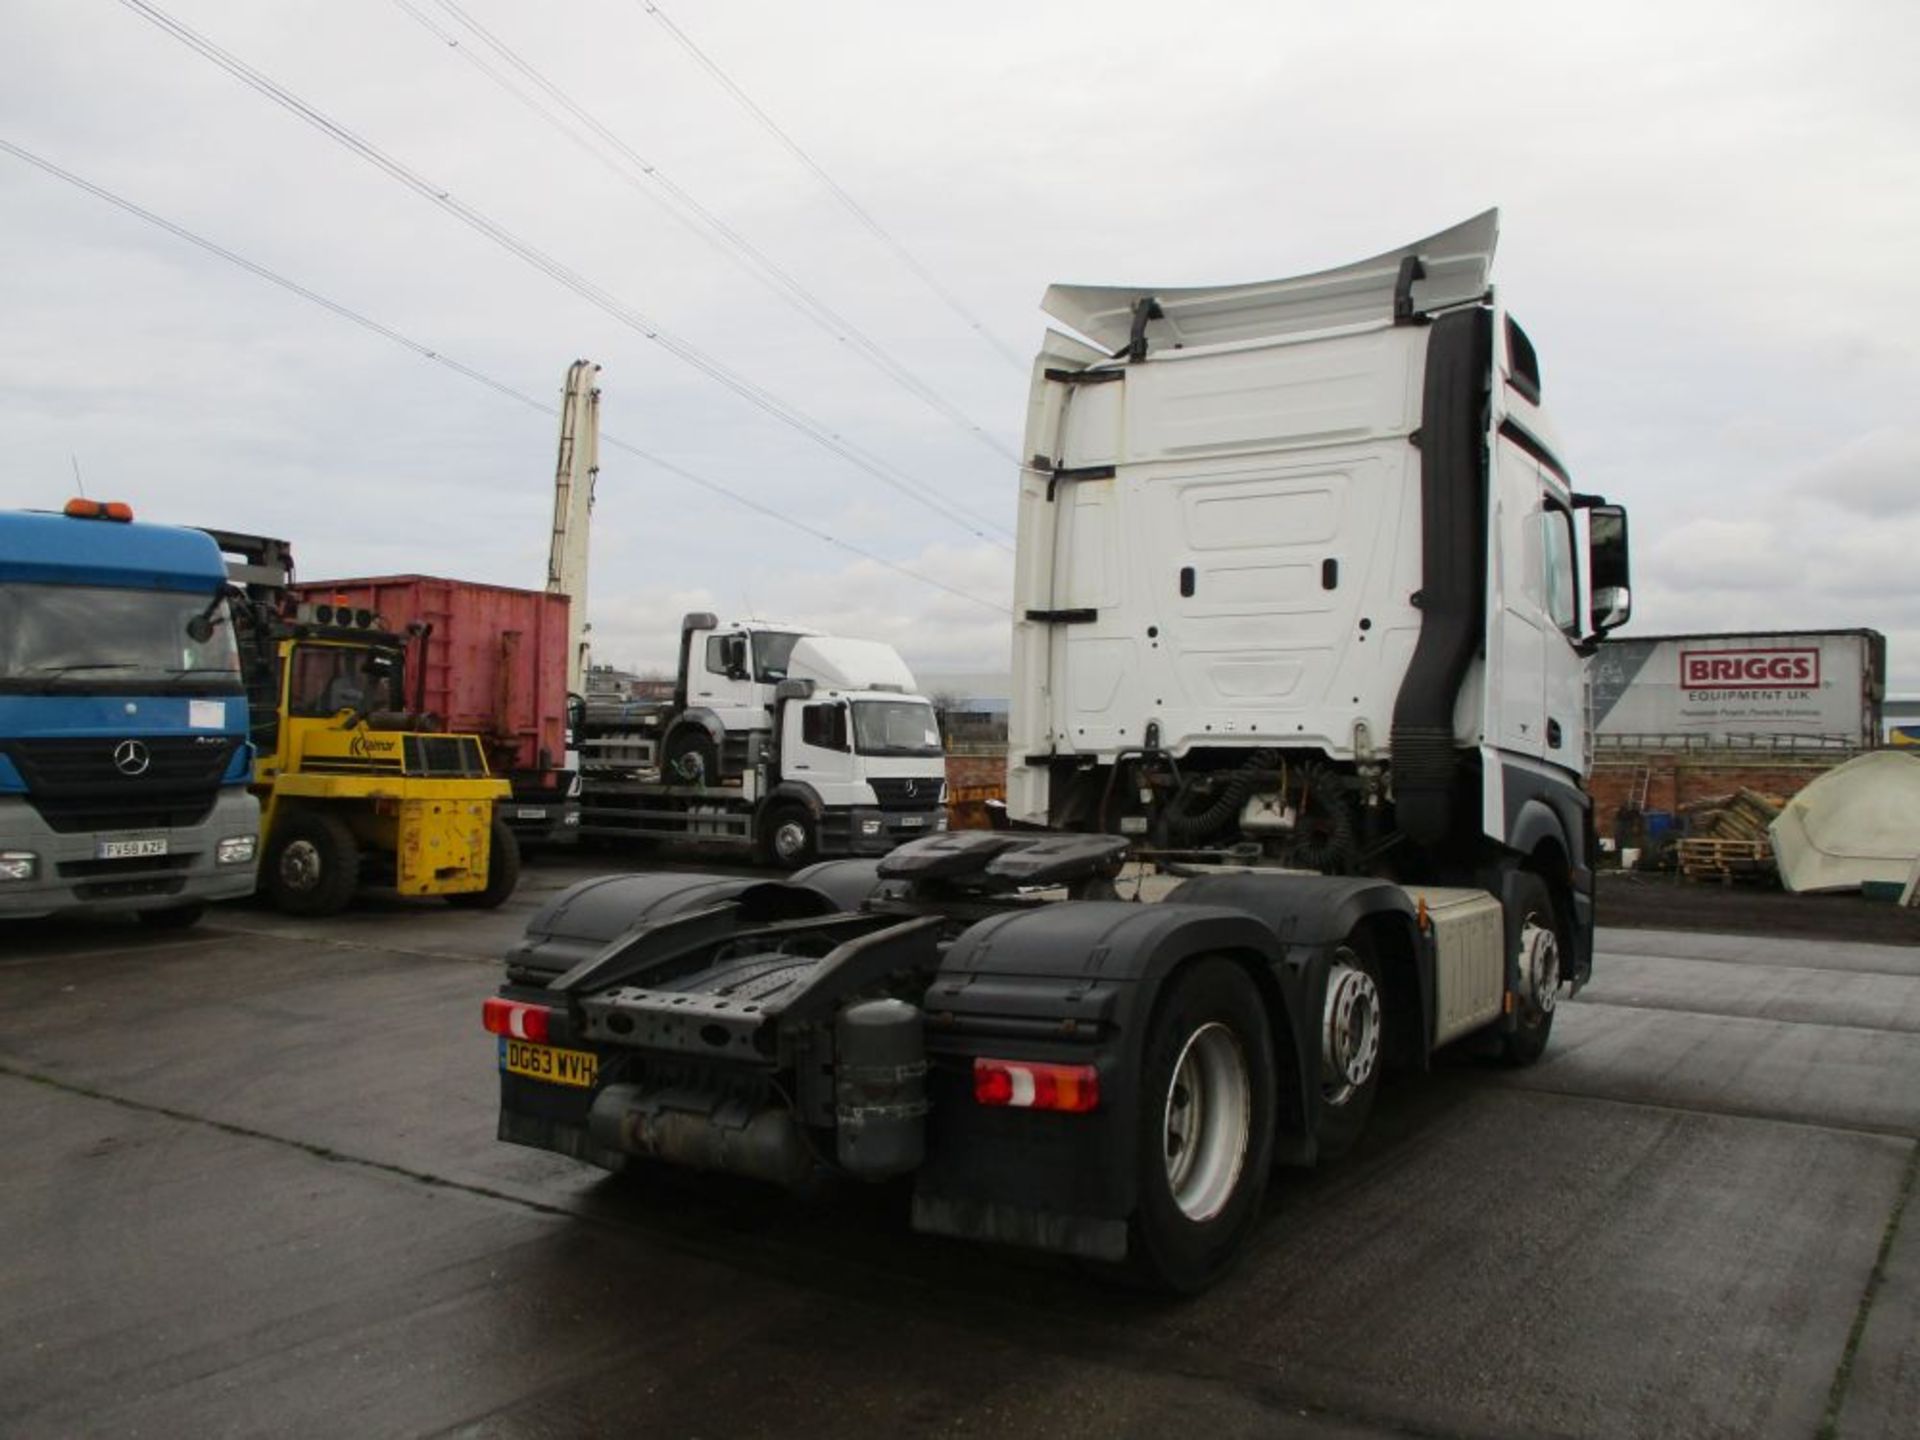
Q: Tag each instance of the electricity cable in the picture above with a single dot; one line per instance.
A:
(640, 174)
(588, 290)
(852, 206)
(499, 387)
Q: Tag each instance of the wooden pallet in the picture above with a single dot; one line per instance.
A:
(1710, 858)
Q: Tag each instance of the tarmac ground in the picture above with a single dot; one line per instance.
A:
(252, 1187)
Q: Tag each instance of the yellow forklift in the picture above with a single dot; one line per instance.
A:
(354, 787)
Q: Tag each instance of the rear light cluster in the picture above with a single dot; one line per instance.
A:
(1032, 1085)
(516, 1020)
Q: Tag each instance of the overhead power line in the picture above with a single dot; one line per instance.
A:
(639, 173)
(852, 206)
(499, 387)
(538, 259)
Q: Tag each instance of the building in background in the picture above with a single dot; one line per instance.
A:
(1769, 690)
(1679, 720)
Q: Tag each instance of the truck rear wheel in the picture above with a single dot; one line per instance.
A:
(313, 863)
(503, 871)
(1205, 1128)
(789, 840)
(1351, 1032)
(1534, 938)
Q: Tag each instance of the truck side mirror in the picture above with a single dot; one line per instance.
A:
(837, 733)
(1611, 592)
(735, 657)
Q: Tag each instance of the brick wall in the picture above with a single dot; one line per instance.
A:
(1673, 779)
(969, 771)
(1676, 779)
(971, 780)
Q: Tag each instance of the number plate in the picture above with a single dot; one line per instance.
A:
(912, 822)
(549, 1063)
(129, 849)
(529, 814)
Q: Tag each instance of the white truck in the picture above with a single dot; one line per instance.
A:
(797, 744)
(1302, 613)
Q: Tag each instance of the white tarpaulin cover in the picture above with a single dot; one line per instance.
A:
(1860, 821)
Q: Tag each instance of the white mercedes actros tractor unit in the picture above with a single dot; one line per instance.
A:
(1304, 594)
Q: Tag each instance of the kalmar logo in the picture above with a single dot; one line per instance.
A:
(1750, 669)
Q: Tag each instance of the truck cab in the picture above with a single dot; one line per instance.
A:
(868, 763)
(1303, 578)
(797, 743)
(124, 750)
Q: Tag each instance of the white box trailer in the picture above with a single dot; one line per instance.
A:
(1765, 688)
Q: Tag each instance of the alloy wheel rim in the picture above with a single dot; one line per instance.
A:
(1350, 1044)
(1206, 1122)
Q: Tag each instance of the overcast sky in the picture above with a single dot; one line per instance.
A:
(1710, 222)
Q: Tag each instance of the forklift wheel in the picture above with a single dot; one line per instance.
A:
(503, 871)
(313, 863)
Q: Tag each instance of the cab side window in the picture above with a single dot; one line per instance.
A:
(823, 726)
(321, 679)
(716, 654)
(1557, 566)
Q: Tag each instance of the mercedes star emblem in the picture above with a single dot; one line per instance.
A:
(130, 757)
(912, 786)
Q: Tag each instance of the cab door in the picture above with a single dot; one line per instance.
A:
(1517, 620)
(721, 679)
(819, 748)
(1564, 669)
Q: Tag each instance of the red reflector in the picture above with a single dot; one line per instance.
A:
(1033, 1085)
(515, 1020)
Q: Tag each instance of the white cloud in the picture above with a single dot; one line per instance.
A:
(1874, 475)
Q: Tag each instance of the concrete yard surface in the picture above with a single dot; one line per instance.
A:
(253, 1188)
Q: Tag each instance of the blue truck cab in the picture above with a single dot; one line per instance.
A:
(124, 751)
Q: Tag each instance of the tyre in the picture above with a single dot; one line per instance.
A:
(1352, 1030)
(313, 863)
(177, 917)
(1535, 936)
(503, 871)
(690, 759)
(789, 839)
(1206, 1128)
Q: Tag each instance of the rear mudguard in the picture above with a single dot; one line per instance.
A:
(1076, 984)
(1312, 915)
(848, 882)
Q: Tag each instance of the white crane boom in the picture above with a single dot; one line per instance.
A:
(573, 482)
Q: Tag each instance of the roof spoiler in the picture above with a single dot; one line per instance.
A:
(1403, 285)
